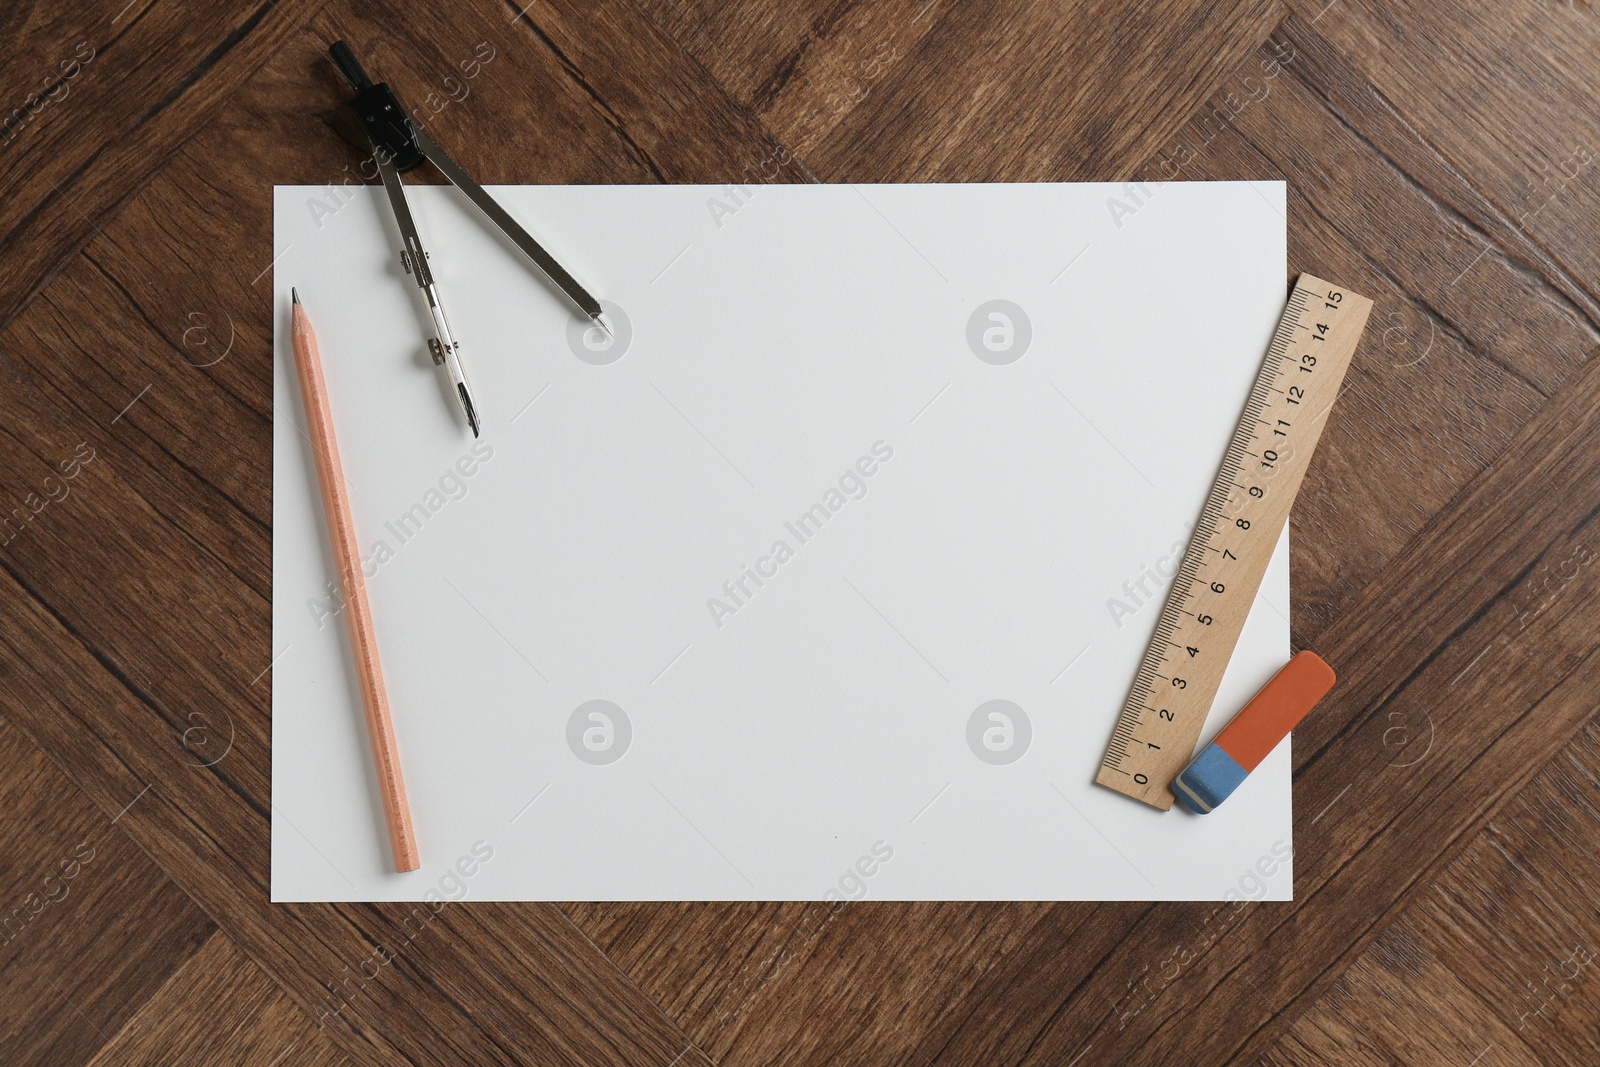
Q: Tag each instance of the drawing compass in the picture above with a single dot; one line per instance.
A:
(398, 145)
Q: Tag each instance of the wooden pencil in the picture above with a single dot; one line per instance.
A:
(358, 613)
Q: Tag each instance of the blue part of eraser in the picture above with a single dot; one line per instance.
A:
(1209, 780)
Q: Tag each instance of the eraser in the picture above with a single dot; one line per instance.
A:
(1241, 746)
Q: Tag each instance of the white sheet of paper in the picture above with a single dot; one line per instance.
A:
(818, 505)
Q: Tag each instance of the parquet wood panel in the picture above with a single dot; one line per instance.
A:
(219, 1008)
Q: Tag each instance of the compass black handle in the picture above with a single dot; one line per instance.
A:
(349, 66)
(379, 111)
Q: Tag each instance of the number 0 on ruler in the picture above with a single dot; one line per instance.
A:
(1238, 530)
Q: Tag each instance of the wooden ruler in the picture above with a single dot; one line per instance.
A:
(1232, 543)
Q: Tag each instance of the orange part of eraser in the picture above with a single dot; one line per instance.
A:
(1276, 709)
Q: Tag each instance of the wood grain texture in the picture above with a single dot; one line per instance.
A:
(1499, 90)
(1436, 157)
(128, 84)
(68, 878)
(218, 1008)
(1499, 960)
(1039, 92)
(1450, 371)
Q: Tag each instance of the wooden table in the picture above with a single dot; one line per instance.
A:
(1440, 158)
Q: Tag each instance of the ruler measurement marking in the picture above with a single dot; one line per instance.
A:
(1167, 735)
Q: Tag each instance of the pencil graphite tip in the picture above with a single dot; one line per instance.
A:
(294, 294)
